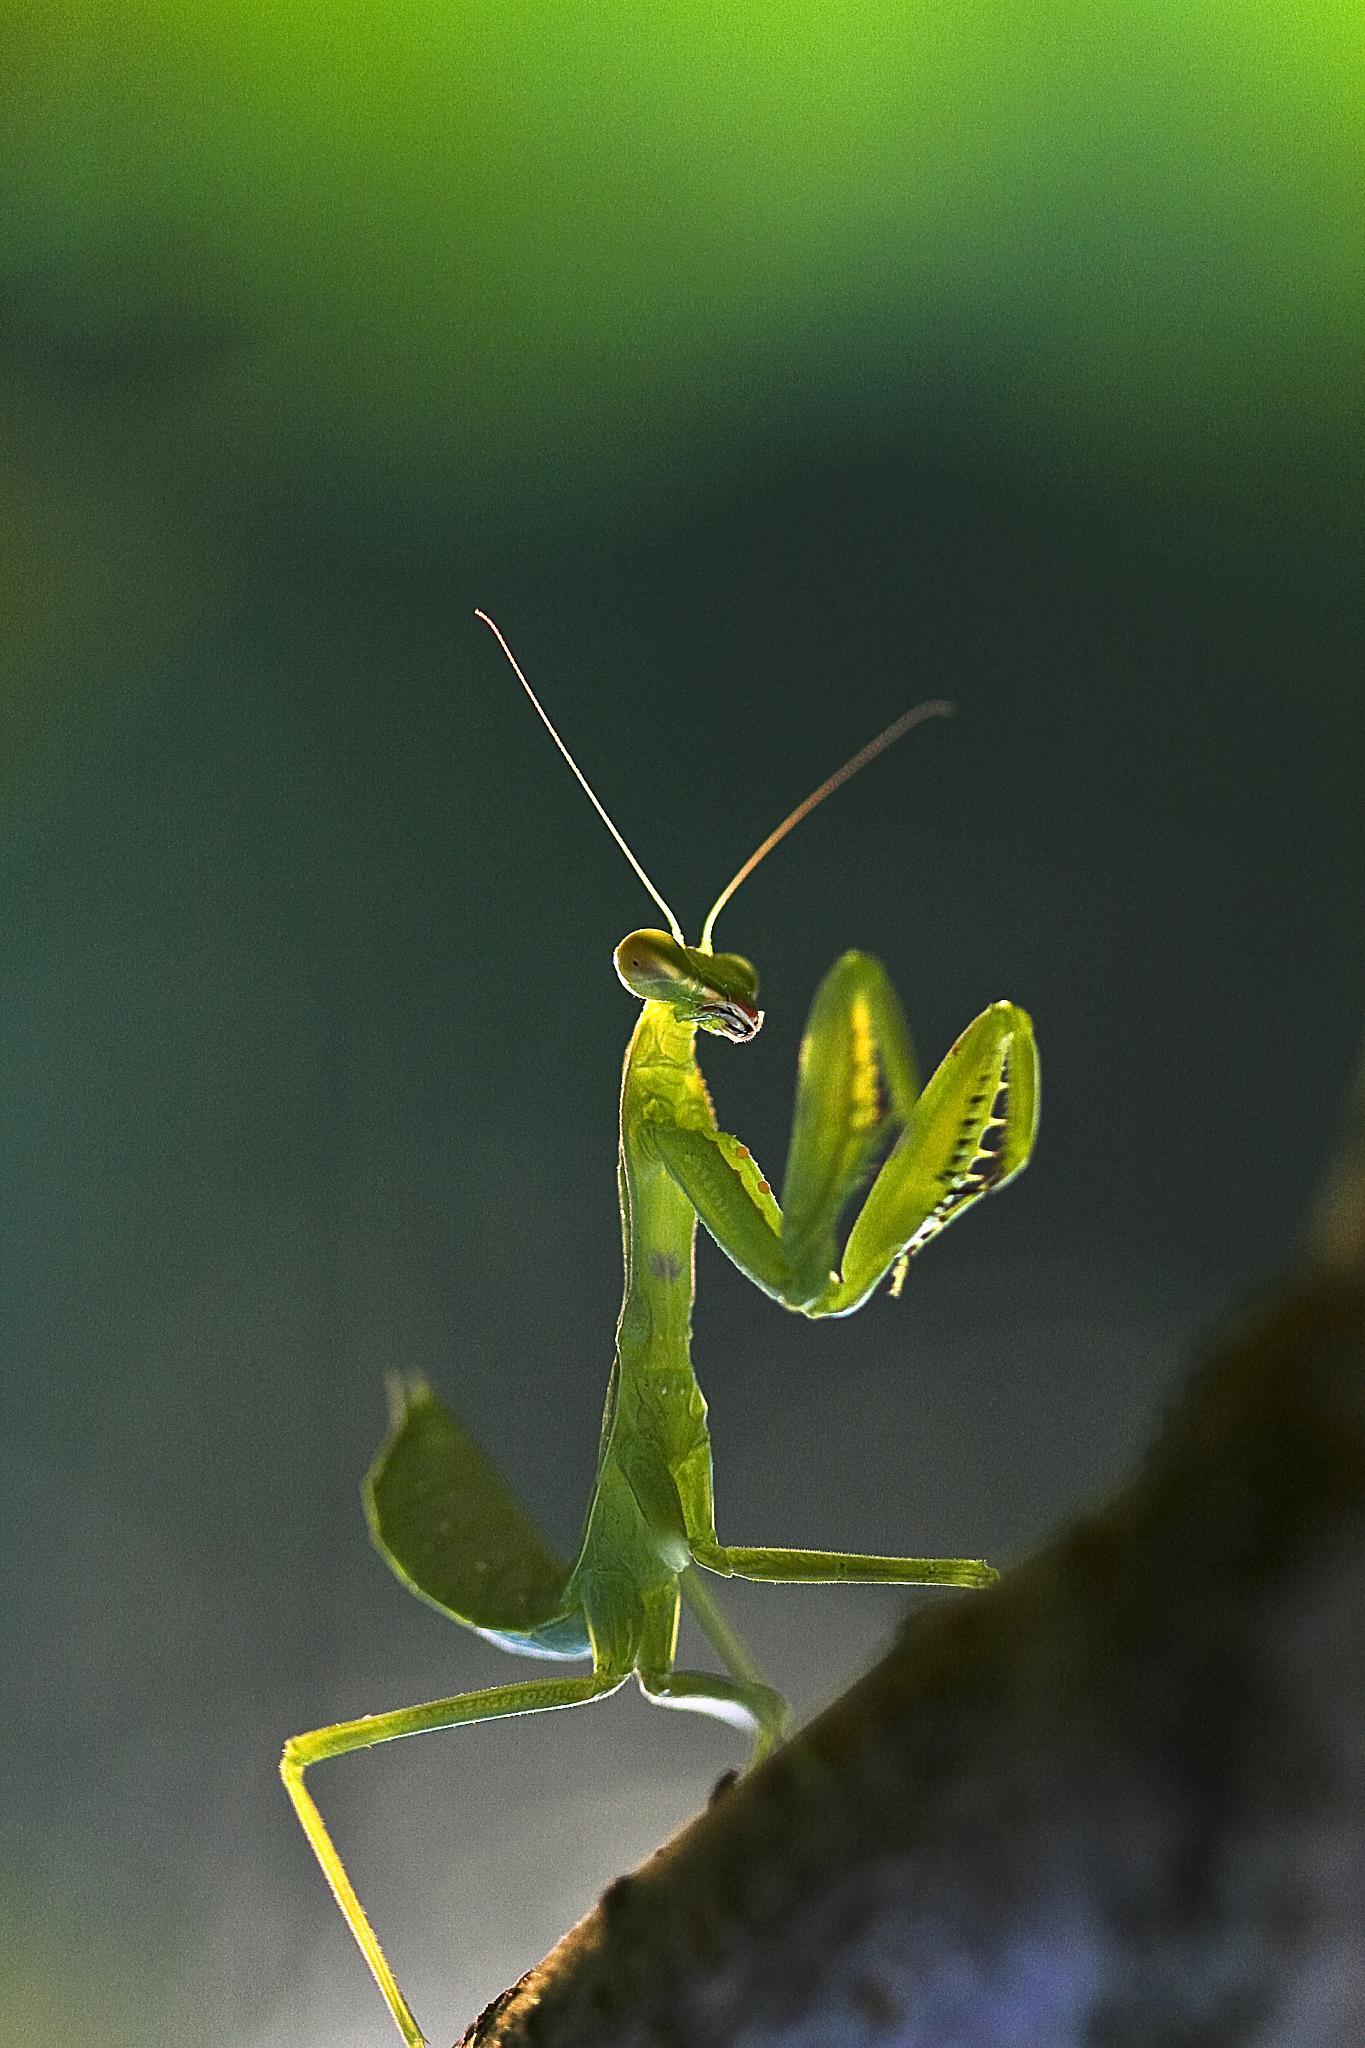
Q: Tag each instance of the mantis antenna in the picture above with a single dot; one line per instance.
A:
(496, 631)
(933, 707)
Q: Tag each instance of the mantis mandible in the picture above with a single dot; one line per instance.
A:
(449, 1524)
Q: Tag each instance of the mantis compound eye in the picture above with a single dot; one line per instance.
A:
(654, 967)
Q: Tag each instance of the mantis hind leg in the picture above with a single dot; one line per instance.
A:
(742, 1699)
(716, 1624)
(755, 1709)
(533, 1697)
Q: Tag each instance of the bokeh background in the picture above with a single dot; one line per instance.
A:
(763, 367)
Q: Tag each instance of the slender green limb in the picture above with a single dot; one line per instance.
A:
(755, 1709)
(493, 1703)
(343, 1891)
(719, 1630)
(839, 1567)
(536, 1696)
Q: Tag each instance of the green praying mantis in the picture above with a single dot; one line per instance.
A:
(449, 1524)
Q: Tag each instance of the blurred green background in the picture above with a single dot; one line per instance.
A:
(762, 368)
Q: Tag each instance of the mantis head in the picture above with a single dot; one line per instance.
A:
(716, 991)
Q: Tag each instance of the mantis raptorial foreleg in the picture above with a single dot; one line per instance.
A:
(448, 1522)
(970, 1131)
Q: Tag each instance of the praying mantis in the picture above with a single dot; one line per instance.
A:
(446, 1520)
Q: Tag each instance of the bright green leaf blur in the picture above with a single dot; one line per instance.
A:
(481, 239)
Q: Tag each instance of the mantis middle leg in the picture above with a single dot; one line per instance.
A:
(834, 1567)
